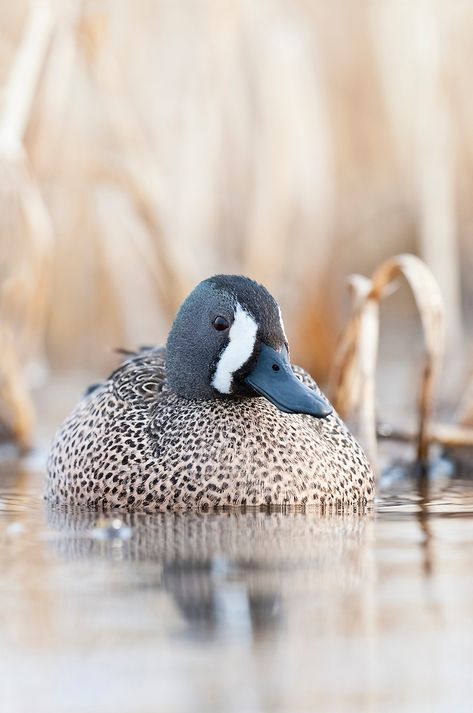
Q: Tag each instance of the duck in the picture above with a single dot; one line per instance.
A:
(218, 418)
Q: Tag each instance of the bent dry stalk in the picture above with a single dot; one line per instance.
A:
(355, 363)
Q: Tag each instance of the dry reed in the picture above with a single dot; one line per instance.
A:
(25, 230)
(356, 359)
(355, 362)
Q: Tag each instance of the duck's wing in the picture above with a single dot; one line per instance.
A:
(141, 377)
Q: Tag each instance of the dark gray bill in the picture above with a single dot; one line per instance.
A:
(273, 378)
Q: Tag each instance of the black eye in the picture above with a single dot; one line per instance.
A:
(220, 324)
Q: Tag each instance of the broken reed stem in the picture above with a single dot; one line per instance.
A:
(430, 306)
(367, 355)
(345, 375)
(356, 360)
(425, 410)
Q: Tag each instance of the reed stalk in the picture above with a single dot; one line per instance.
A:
(355, 363)
(25, 230)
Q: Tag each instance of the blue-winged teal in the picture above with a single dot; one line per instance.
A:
(217, 418)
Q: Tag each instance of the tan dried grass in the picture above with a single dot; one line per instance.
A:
(25, 232)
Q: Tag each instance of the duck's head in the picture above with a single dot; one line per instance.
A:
(228, 340)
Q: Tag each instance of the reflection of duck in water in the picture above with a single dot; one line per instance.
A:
(225, 571)
(219, 418)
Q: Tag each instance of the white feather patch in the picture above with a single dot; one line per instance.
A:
(282, 323)
(242, 336)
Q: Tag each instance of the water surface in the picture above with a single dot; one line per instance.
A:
(237, 612)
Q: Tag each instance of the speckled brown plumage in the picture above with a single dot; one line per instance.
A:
(133, 442)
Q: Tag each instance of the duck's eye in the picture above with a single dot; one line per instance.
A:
(220, 324)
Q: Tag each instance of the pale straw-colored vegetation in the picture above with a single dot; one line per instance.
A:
(145, 145)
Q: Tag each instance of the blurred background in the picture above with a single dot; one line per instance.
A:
(146, 145)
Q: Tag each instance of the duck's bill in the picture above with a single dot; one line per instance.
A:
(274, 379)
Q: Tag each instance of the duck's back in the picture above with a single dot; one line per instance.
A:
(132, 442)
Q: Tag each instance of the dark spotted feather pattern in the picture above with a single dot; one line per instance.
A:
(132, 442)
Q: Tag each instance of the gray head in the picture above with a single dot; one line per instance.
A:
(228, 341)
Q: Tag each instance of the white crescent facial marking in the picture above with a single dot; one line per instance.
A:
(242, 338)
(282, 323)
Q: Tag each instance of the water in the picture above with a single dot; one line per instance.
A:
(236, 612)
